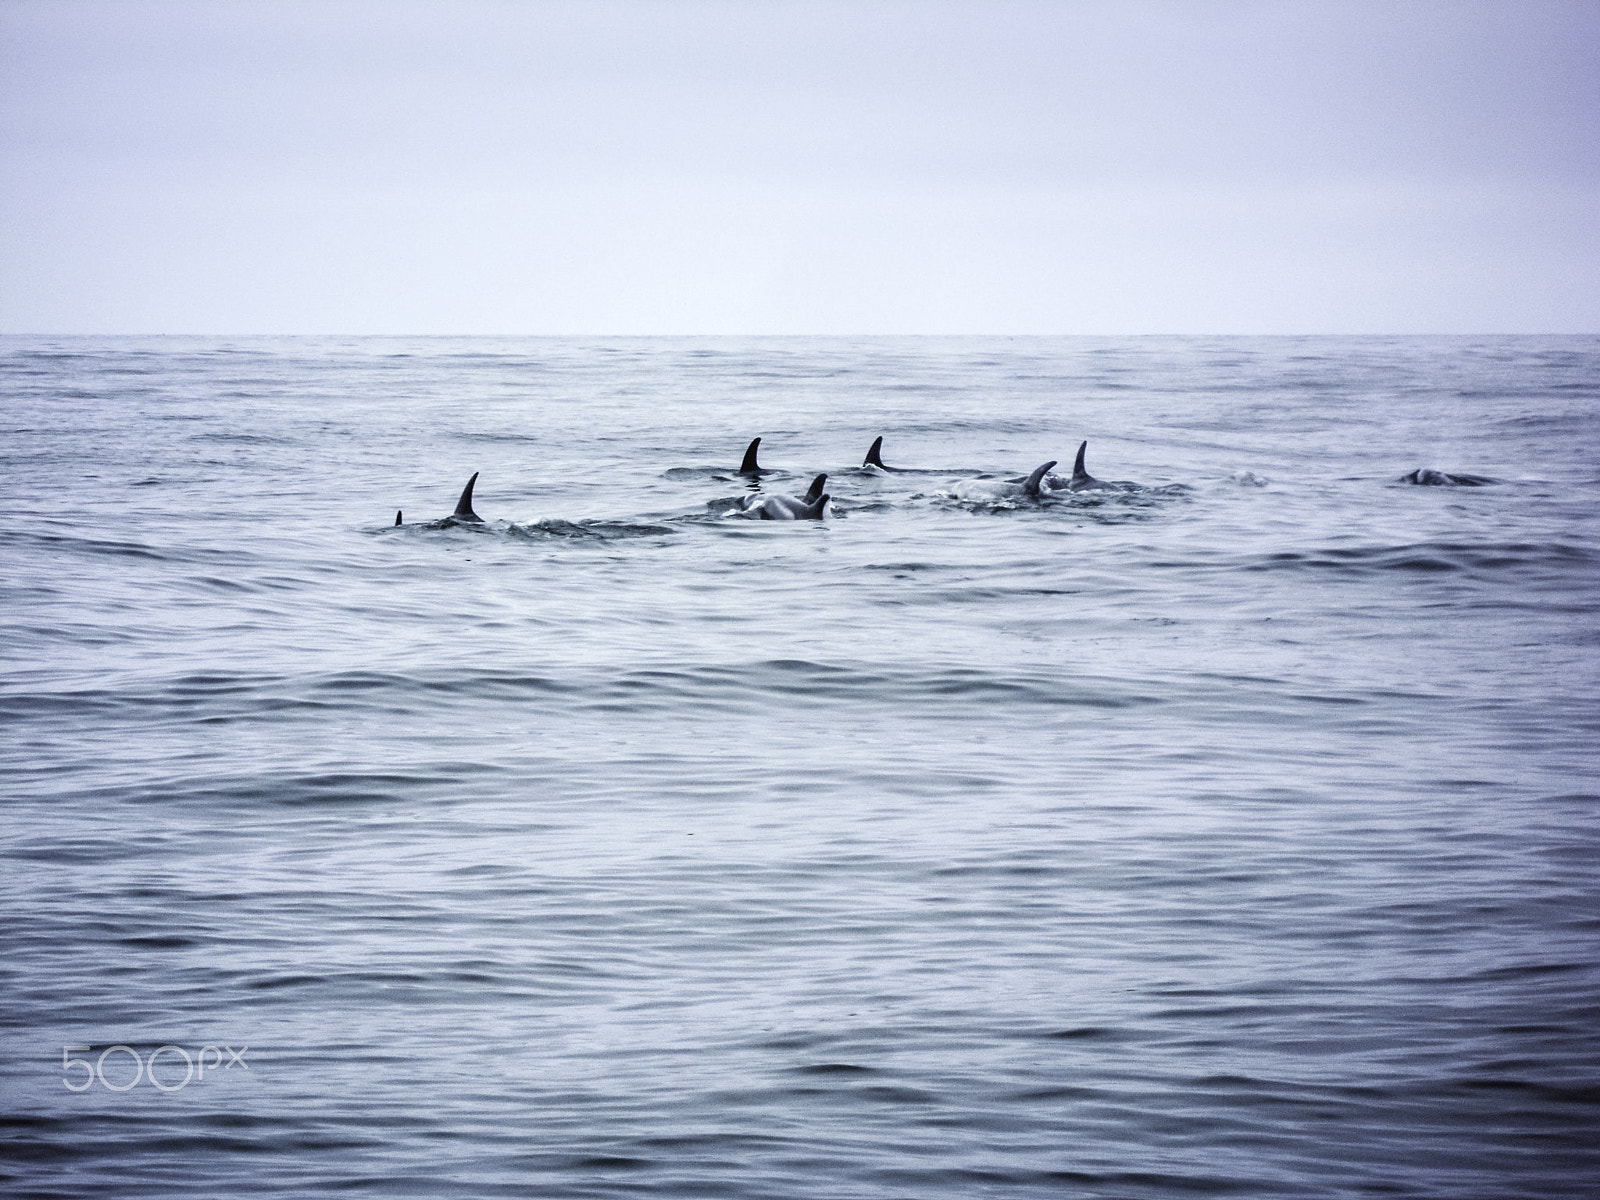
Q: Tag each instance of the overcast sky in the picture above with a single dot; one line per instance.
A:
(799, 166)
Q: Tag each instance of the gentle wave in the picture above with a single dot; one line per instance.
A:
(1121, 845)
(224, 696)
(1526, 562)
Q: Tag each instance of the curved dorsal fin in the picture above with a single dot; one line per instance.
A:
(815, 489)
(1031, 488)
(875, 455)
(397, 517)
(1079, 475)
(464, 505)
(749, 466)
(813, 508)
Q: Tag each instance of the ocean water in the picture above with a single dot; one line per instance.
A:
(1231, 834)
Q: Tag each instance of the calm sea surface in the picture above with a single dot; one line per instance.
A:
(1232, 835)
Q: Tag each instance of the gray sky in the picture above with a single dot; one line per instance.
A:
(768, 166)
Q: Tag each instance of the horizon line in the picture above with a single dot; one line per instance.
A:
(836, 334)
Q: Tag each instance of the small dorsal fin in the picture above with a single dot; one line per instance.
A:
(749, 466)
(1079, 475)
(397, 517)
(1031, 488)
(875, 455)
(813, 508)
(815, 489)
(464, 505)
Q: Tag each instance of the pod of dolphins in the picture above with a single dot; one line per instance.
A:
(1039, 483)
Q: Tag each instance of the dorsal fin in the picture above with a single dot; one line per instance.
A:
(749, 466)
(815, 489)
(813, 508)
(875, 455)
(397, 516)
(1079, 475)
(464, 505)
(1031, 488)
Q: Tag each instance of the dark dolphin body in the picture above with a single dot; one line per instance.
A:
(749, 466)
(1428, 477)
(463, 514)
(1032, 485)
(875, 457)
(1081, 480)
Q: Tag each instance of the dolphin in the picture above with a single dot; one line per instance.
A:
(775, 506)
(1428, 477)
(787, 508)
(749, 466)
(992, 490)
(463, 514)
(1030, 487)
(1081, 480)
(875, 457)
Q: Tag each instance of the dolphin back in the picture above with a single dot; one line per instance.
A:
(1031, 487)
(1081, 477)
(1428, 477)
(464, 505)
(812, 509)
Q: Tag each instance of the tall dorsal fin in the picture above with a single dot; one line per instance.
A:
(397, 516)
(1079, 475)
(749, 466)
(464, 505)
(815, 489)
(875, 455)
(1031, 488)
